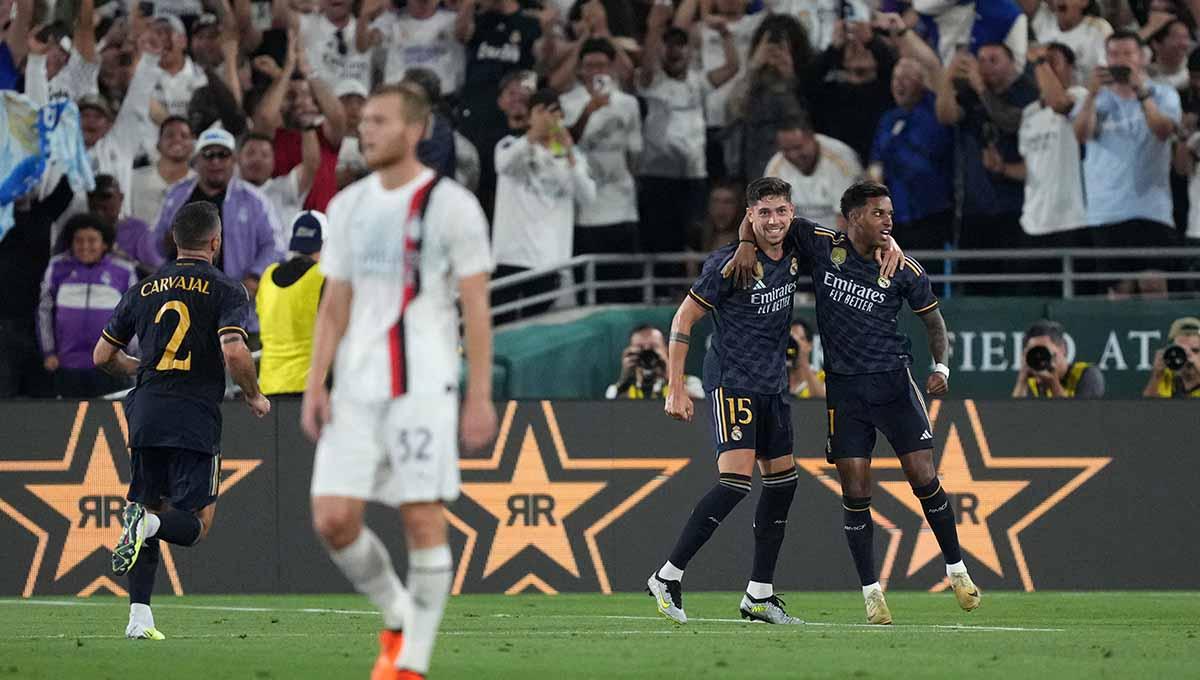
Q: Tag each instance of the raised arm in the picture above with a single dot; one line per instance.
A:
(464, 22)
(267, 116)
(656, 25)
(939, 348)
(19, 29)
(84, 38)
(723, 74)
(679, 404)
(366, 37)
(1085, 120)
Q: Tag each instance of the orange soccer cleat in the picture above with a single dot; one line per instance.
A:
(390, 643)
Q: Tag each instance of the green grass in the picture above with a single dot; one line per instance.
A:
(1092, 635)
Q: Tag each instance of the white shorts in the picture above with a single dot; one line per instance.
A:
(394, 452)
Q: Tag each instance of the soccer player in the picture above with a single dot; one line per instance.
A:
(868, 381)
(189, 319)
(745, 373)
(401, 242)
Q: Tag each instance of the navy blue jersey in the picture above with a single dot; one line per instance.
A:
(178, 315)
(749, 343)
(857, 309)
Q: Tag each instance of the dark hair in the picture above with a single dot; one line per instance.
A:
(1067, 53)
(1006, 48)
(601, 45)
(255, 136)
(83, 221)
(195, 225)
(766, 187)
(1123, 34)
(779, 27)
(547, 97)
(799, 120)
(171, 120)
(803, 323)
(675, 34)
(859, 193)
(425, 79)
(1050, 329)
(643, 327)
(1162, 33)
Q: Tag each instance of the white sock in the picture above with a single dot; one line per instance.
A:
(956, 568)
(760, 591)
(367, 565)
(140, 613)
(430, 572)
(151, 525)
(867, 590)
(670, 572)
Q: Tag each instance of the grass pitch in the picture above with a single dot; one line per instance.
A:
(1050, 635)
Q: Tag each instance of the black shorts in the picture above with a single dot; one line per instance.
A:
(185, 479)
(859, 404)
(750, 420)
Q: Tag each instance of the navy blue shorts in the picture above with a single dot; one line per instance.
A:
(858, 405)
(750, 420)
(187, 480)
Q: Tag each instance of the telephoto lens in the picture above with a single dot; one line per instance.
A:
(1175, 357)
(1038, 359)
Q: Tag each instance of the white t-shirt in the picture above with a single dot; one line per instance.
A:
(818, 196)
(284, 194)
(1086, 40)
(1177, 79)
(613, 133)
(819, 16)
(954, 24)
(536, 193)
(371, 246)
(77, 78)
(673, 130)
(712, 57)
(1054, 178)
(319, 37)
(174, 92)
(179, 8)
(147, 192)
(424, 43)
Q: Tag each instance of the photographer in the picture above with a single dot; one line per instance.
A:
(1177, 366)
(644, 369)
(1045, 373)
(803, 382)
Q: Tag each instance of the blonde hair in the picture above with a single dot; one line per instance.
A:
(415, 106)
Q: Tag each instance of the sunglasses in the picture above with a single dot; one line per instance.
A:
(215, 154)
(341, 42)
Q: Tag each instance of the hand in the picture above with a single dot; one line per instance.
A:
(937, 385)
(783, 62)
(628, 364)
(859, 32)
(890, 21)
(718, 24)
(743, 266)
(679, 405)
(598, 101)
(51, 363)
(659, 17)
(372, 9)
(315, 411)
(478, 424)
(890, 259)
(36, 46)
(1101, 77)
(1137, 79)
(804, 357)
(993, 162)
(547, 18)
(971, 72)
(265, 64)
(1036, 51)
(562, 135)
(1156, 21)
(1048, 381)
(1159, 365)
(259, 406)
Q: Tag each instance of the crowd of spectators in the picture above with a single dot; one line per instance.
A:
(592, 126)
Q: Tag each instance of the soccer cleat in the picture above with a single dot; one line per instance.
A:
(668, 595)
(138, 631)
(965, 591)
(390, 643)
(877, 609)
(769, 610)
(132, 537)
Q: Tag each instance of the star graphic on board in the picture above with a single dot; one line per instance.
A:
(974, 494)
(529, 506)
(92, 505)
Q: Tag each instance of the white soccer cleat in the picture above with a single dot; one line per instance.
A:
(767, 610)
(965, 591)
(668, 595)
(139, 631)
(877, 609)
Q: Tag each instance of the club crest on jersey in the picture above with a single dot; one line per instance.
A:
(838, 256)
(883, 281)
(736, 433)
(795, 267)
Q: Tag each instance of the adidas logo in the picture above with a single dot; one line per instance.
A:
(926, 435)
(759, 285)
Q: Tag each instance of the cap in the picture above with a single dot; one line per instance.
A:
(215, 137)
(546, 96)
(173, 21)
(96, 102)
(1187, 325)
(206, 20)
(349, 86)
(307, 232)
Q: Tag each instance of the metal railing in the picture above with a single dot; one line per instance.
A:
(578, 274)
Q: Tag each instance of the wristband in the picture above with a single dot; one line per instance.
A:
(943, 369)
(746, 240)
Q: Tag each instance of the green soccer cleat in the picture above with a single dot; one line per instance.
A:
(965, 591)
(138, 631)
(877, 609)
(768, 610)
(132, 536)
(668, 595)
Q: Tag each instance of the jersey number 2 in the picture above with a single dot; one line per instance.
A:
(168, 361)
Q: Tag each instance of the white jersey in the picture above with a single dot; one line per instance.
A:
(673, 130)
(819, 16)
(402, 337)
(331, 50)
(1086, 40)
(818, 196)
(712, 57)
(1054, 179)
(422, 43)
(613, 134)
(77, 78)
(174, 91)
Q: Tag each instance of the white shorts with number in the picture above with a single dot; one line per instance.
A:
(395, 452)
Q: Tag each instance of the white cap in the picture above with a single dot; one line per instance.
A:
(173, 21)
(215, 137)
(349, 86)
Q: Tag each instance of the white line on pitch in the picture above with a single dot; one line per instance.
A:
(201, 607)
(863, 626)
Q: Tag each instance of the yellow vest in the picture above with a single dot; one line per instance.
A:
(1072, 381)
(1166, 387)
(806, 391)
(287, 320)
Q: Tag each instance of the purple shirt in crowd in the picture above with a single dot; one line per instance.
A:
(77, 300)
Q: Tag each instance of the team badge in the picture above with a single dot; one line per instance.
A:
(884, 282)
(838, 256)
(795, 267)
(736, 433)
(515, 38)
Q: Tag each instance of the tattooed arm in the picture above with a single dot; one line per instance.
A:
(939, 348)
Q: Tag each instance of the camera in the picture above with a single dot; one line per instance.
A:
(793, 351)
(1175, 357)
(1120, 74)
(648, 360)
(1038, 359)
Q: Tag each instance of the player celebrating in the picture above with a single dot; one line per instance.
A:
(745, 373)
(189, 320)
(867, 378)
(400, 242)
